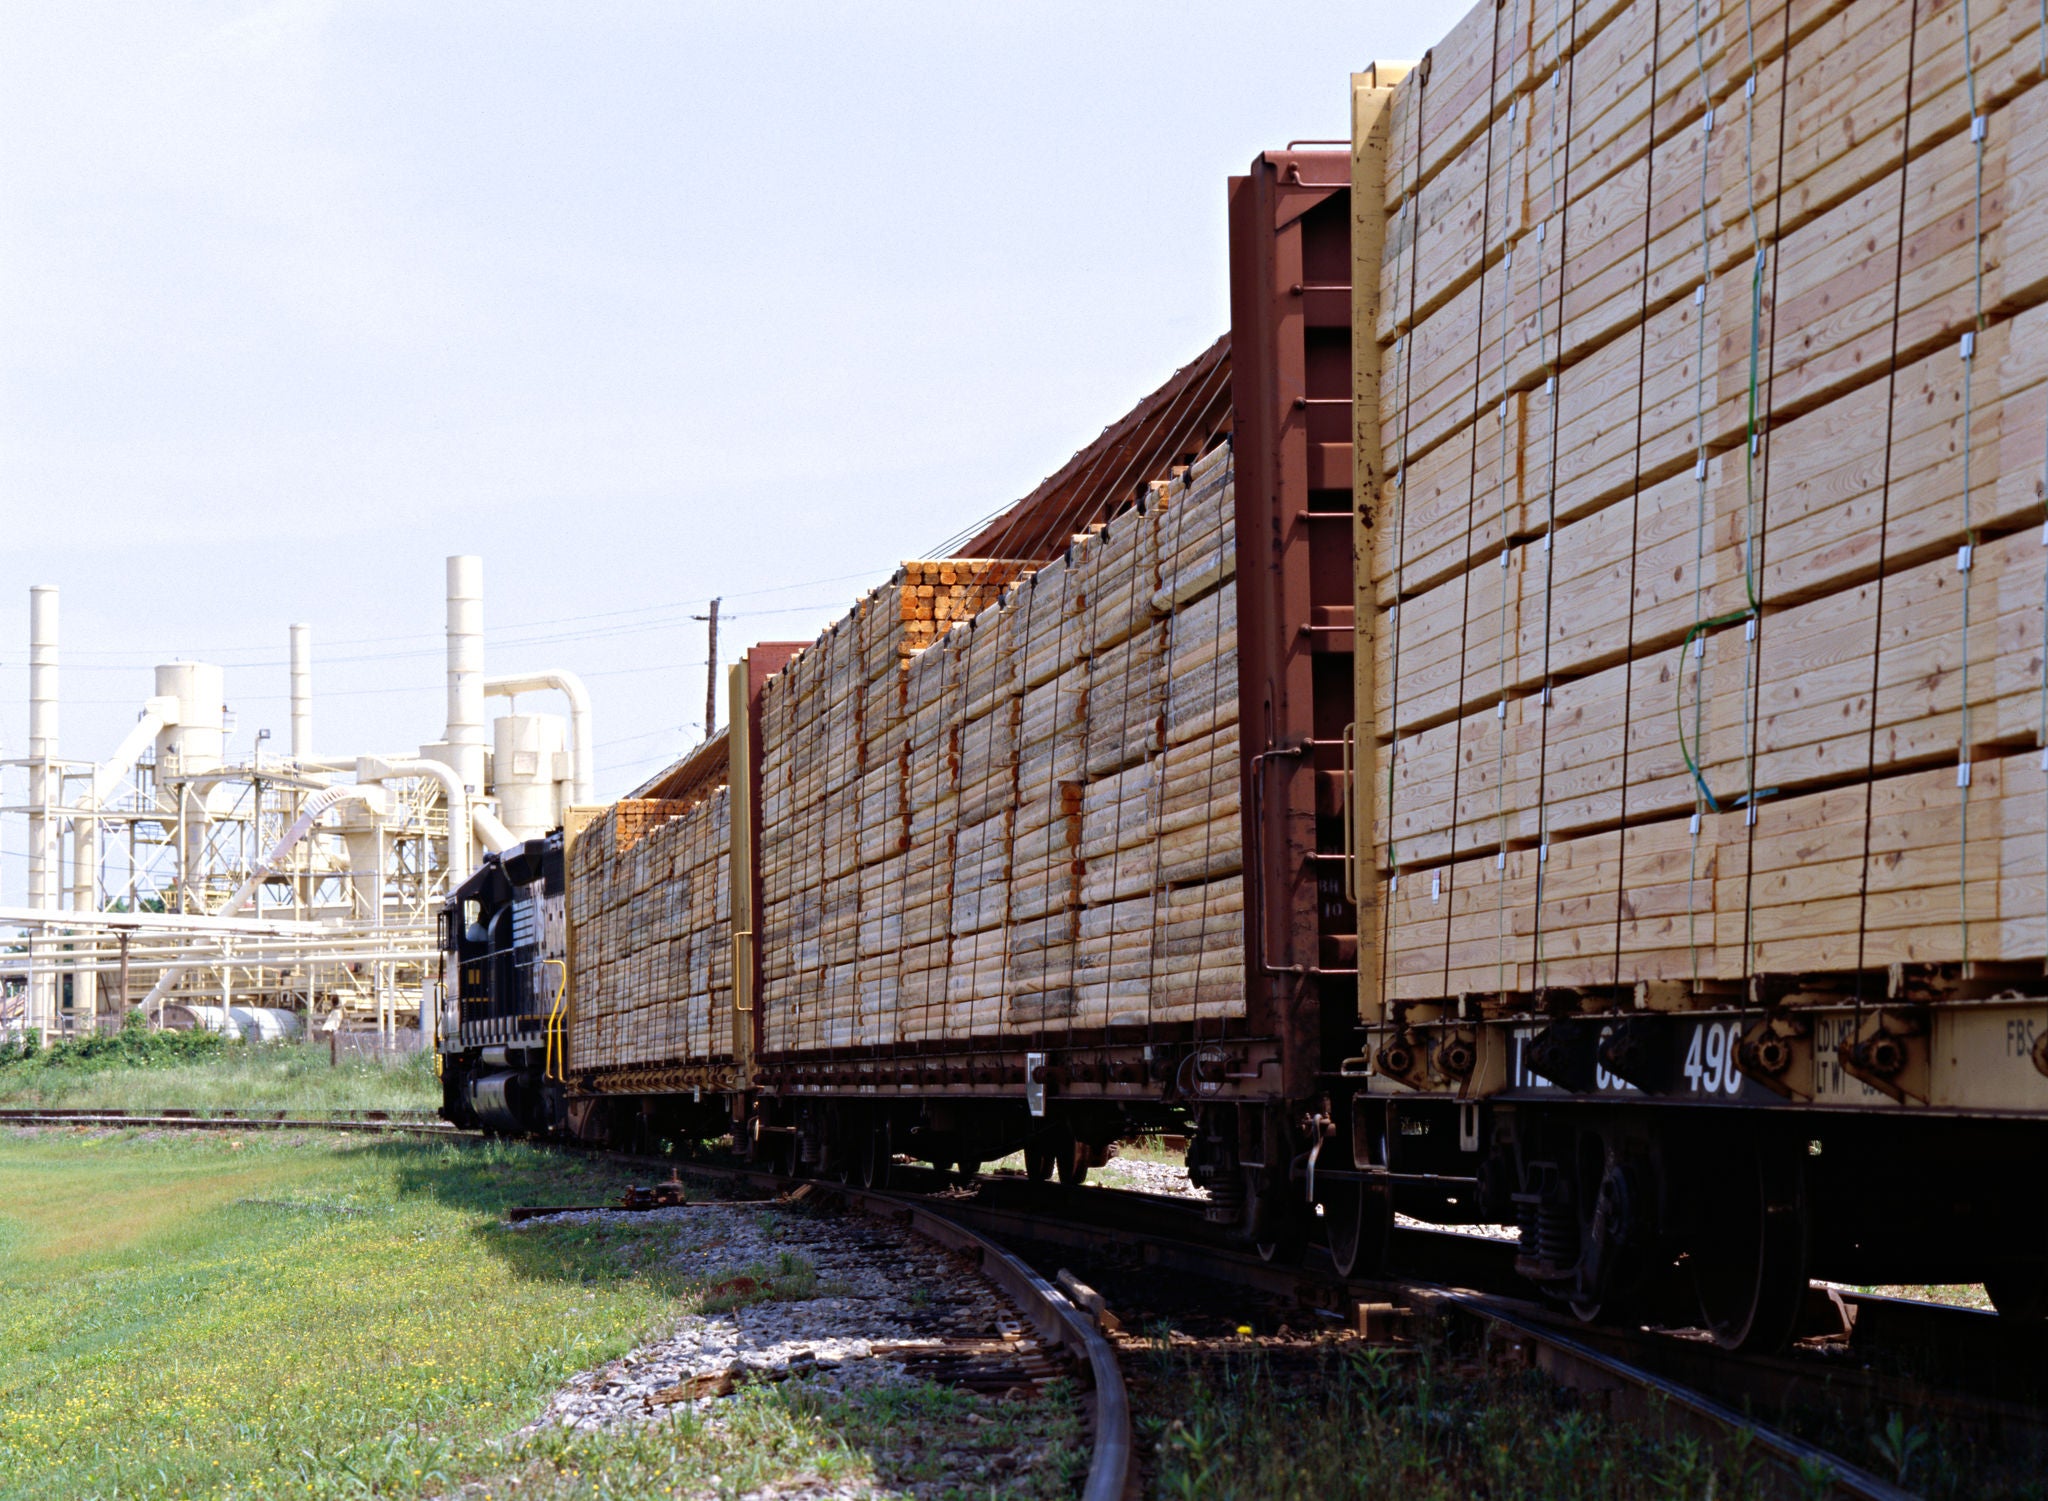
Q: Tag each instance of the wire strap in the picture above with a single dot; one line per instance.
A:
(1978, 135)
(1550, 389)
(1500, 772)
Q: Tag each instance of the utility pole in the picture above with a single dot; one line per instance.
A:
(711, 673)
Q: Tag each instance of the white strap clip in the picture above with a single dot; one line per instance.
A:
(1699, 295)
(1980, 127)
(1749, 629)
(1699, 647)
(1436, 885)
(1695, 821)
(1969, 345)
(1963, 772)
(1963, 558)
(1707, 124)
(1500, 860)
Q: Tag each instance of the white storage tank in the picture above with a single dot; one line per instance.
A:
(529, 763)
(194, 744)
(250, 1023)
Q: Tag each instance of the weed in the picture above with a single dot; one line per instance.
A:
(1898, 1445)
(326, 1317)
(139, 1069)
(1367, 1422)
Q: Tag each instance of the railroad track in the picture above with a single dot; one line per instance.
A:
(1964, 1367)
(1980, 1377)
(237, 1120)
(1055, 1317)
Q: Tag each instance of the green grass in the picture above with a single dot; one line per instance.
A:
(1349, 1421)
(1339, 1419)
(299, 1315)
(952, 1444)
(202, 1071)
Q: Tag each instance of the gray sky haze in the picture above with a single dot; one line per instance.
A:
(641, 302)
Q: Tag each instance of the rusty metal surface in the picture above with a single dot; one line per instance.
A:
(762, 663)
(1290, 313)
(693, 778)
(1168, 427)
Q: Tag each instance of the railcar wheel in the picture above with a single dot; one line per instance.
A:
(1279, 1223)
(1358, 1221)
(1749, 1262)
(877, 1156)
(2019, 1293)
(1038, 1163)
(970, 1167)
(1071, 1157)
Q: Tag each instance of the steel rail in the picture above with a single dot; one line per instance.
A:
(969, 1227)
(228, 1120)
(1050, 1311)
(1573, 1359)
(1799, 1459)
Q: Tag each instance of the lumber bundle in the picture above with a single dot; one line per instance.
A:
(651, 947)
(861, 789)
(1712, 362)
(1028, 821)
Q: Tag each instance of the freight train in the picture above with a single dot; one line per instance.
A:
(1542, 724)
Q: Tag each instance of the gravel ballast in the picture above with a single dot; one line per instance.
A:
(875, 1283)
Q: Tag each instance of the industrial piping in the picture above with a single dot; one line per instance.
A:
(310, 814)
(158, 713)
(385, 768)
(582, 770)
(496, 837)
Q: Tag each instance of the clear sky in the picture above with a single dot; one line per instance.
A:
(641, 302)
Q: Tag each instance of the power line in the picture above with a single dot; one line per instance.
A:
(667, 608)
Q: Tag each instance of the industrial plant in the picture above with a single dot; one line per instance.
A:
(291, 891)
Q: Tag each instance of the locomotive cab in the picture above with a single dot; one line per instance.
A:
(504, 933)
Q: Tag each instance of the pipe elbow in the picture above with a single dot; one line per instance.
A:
(496, 837)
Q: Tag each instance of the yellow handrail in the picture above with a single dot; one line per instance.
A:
(554, 1058)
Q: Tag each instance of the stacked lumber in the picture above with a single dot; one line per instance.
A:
(1712, 352)
(1026, 822)
(1197, 543)
(651, 941)
(860, 791)
(932, 799)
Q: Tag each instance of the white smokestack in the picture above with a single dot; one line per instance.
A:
(42, 745)
(466, 669)
(43, 783)
(302, 693)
